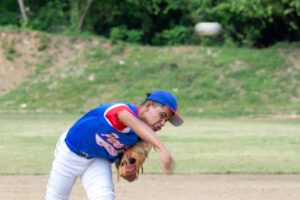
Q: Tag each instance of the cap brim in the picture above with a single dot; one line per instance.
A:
(176, 119)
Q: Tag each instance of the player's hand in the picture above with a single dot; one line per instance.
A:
(167, 162)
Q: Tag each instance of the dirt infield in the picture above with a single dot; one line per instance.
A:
(181, 187)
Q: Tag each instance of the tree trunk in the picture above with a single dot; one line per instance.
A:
(83, 14)
(22, 9)
(74, 13)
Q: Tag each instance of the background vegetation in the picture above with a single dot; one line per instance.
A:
(215, 81)
(257, 23)
(92, 51)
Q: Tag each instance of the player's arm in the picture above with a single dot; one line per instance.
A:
(148, 135)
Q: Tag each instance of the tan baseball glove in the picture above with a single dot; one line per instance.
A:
(131, 163)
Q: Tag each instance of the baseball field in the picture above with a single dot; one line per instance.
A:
(233, 67)
(240, 140)
(237, 158)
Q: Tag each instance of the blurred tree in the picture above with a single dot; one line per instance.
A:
(83, 13)
(256, 23)
(23, 11)
(78, 11)
(9, 13)
(52, 16)
(250, 23)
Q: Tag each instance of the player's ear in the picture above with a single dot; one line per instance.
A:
(148, 104)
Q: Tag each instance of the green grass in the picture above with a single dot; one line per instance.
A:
(241, 145)
(10, 50)
(234, 146)
(27, 141)
(215, 81)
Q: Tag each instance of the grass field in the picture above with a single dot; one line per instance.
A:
(237, 145)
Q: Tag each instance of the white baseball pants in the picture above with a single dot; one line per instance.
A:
(95, 175)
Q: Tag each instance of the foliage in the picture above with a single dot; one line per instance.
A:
(9, 49)
(245, 22)
(122, 33)
(252, 22)
(9, 13)
(176, 35)
(134, 36)
(51, 17)
(41, 67)
(44, 42)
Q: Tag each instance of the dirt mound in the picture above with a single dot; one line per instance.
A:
(14, 59)
(23, 53)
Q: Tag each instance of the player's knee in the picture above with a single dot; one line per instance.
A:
(101, 195)
(53, 196)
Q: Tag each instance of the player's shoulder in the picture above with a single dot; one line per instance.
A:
(113, 108)
(111, 115)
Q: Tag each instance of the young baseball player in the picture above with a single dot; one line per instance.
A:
(100, 137)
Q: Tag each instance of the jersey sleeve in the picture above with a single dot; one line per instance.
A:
(111, 117)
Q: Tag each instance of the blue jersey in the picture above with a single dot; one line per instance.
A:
(100, 133)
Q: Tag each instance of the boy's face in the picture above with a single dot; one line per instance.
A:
(156, 116)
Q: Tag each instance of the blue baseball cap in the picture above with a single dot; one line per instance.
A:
(166, 98)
